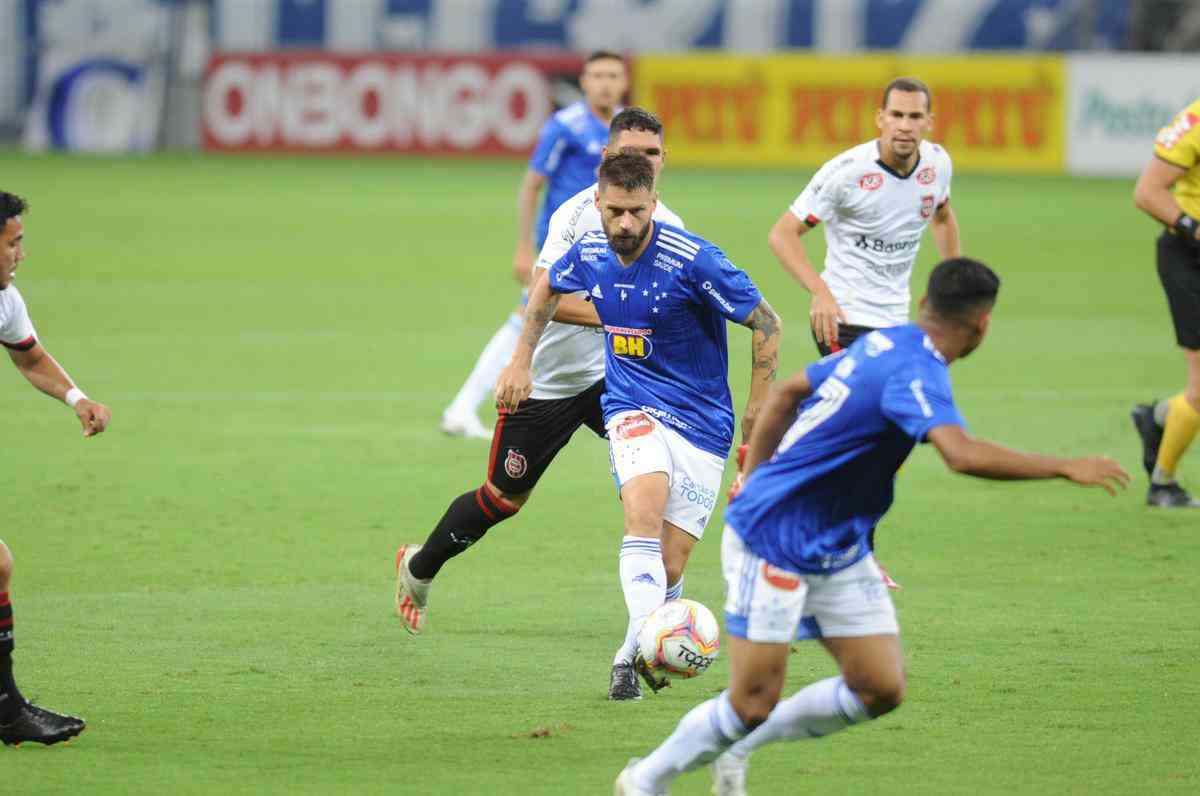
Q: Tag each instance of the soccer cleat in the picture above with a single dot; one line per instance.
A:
(465, 425)
(729, 775)
(625, 786)
(40, 726)
(656, 682)
(624, 684)
(887, 579)
(1150, 432)
(1170, 496)
(412, 594)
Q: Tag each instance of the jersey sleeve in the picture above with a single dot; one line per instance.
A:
(560, 237)
(948, 170)
(919, 399)
(552, 142)
(819, 200)
(1179, 142)
(16, 329)
(723, 286)
(570, 274)
(668, 216)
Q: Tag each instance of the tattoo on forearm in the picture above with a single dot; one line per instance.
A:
(537, 319)
(763, 321)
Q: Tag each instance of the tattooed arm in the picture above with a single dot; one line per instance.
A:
(767, 328)
(516, 380)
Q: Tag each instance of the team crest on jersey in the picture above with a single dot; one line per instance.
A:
(780, 578)
(927, 205)
(871, 181)
(1169, 136)
(515, 464)
(637, 425)
(926, 176)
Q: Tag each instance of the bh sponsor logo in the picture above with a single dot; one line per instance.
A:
(630, 346)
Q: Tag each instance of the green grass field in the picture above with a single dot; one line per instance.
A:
(209, 583)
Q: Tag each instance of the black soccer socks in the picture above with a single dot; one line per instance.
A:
(464, 523)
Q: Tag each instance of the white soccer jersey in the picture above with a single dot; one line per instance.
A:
(16, 330)
(570, 358)
(874, 219)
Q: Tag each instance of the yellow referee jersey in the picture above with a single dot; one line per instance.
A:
(1179, 144)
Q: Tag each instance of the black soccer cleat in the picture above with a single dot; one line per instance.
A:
(40, 726)
(1150, 432)
(624, 684)
(656, 682)
(1170, 496)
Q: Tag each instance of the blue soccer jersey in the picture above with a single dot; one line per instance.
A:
(664, 318)
(567, 155)
(812, 506)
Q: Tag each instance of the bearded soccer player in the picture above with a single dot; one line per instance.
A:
(20, 720)
(564, 163)
(664, 297)
(568, 380)
(875, 201)
(822, 464)
(1169, 191)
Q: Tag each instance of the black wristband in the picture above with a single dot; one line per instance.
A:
(1186, 226)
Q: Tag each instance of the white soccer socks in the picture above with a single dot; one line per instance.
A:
(700, 737)
(813, 712)
(644, 582)
(675, 592)
(482, 381)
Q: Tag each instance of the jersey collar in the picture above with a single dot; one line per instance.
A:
(879, 162)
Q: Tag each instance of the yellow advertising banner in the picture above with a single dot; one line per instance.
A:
(1003, 113)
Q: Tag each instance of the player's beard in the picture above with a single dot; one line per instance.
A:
(626, 245)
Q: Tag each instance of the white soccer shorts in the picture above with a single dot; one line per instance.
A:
(638, 444)
(774, 606)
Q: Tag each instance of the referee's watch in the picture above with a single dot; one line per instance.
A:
(1185, 226)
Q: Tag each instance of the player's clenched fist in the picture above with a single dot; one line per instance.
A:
(94, 417)
(514, 385)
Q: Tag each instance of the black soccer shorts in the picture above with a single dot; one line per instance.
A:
(526, 441)
(847, 334)
(1179, 270)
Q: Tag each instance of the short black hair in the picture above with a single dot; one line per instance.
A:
(603, 55)
(11, 205)
(634, 118)
(629, 171)
(908, 85)
(960, 288)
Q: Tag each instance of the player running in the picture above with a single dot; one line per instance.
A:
(821, 464)
(876, 201)
(568, 380)
(664, 296)
(1169, 191)
(564, 163)
(21, 720)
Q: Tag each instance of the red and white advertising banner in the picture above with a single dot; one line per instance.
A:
(424, 104)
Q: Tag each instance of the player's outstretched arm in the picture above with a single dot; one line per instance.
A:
(44, 372)
(577, 311)
(824, 312)
(983, 459)
(516, 381)
(944, 226)
(766, 332)
(776, 417)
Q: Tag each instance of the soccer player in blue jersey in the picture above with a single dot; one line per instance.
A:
(564, 163)
(795, 553)
(663, 296)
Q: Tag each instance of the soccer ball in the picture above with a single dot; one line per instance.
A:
(681, 637)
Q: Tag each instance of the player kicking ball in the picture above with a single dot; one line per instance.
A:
(795, 553)
(21, 720)
(664, 297)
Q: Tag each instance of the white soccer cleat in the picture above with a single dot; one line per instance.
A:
(624, 786)
(729, 775)
(465, 425)
(412, 594)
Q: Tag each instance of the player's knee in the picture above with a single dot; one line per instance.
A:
(882, 695)
(510, 500)
(645, 522)
(674, 566)
(755, 701)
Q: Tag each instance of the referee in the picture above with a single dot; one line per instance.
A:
(1169, 191)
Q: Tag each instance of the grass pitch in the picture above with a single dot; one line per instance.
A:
(209, 583)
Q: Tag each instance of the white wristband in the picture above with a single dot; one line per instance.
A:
(74, 396)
